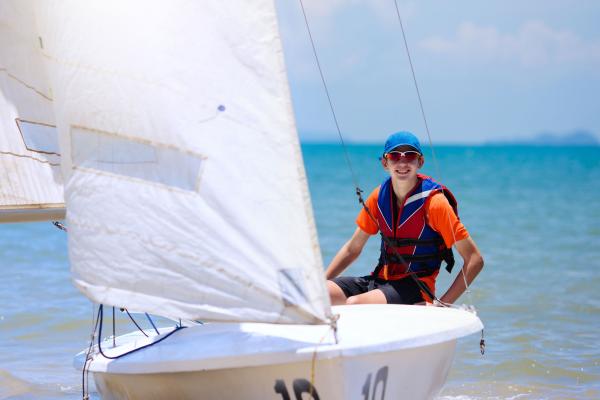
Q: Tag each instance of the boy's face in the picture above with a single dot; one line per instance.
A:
(403, 165)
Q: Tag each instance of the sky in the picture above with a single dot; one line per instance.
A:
(486, 70)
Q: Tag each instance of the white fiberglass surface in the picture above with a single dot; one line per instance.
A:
(361, 330)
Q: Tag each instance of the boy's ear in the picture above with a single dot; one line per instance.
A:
(421, 161)
(384, 162)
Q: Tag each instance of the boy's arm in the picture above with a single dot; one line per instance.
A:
(347, 254)
(473, 263)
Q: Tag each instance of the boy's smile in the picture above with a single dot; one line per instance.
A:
(402, 163)
(402, 170)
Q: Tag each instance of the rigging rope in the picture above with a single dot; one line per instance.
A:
(134, 322)
(85, 372)
(435, 162)
(99, 321)
(101, 314)
(358, 190)
(335, 120)
(154, 326)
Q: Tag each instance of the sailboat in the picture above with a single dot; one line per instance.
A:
(31, 184)
(186, 198)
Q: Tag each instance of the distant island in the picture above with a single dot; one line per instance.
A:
(574, 138)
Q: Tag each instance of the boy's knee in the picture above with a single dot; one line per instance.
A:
(353, 300)
(336, 294)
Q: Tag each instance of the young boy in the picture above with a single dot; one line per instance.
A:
(418, 222)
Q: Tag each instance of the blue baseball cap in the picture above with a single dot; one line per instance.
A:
(402, 138)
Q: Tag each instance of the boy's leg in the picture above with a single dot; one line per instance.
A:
(403, 291)
(344, 287)
(375, 296)
(336, 294)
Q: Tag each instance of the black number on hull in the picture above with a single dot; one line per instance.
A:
(304, 386)
(281, 389)
(300, 386)
(380, 377)
(367, 387)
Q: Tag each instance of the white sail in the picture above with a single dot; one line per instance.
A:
(186, 190)
(30, 179)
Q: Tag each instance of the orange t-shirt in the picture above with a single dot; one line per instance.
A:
(440, 217)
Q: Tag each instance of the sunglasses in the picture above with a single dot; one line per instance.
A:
(408, 156)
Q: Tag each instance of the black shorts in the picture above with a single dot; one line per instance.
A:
(401, 291)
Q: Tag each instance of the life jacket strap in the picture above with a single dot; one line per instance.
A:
(442, 255)
(415, 242)
(445, 255)
(448, 258)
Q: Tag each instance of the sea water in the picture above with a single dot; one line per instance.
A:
(534, 212)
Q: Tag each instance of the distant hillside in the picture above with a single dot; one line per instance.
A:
(575, 138)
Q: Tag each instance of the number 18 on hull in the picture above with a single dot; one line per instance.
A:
(413, 373)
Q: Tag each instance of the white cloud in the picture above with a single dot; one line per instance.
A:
(384, 10)
(534, 45)
(323, 8)
(329, 28)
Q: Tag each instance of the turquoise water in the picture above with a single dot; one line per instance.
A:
(533, 211)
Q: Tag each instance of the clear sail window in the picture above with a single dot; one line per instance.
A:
(39, 137)
(134, 158)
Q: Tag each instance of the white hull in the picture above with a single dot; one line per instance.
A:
(417, 373)
(377, 357)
